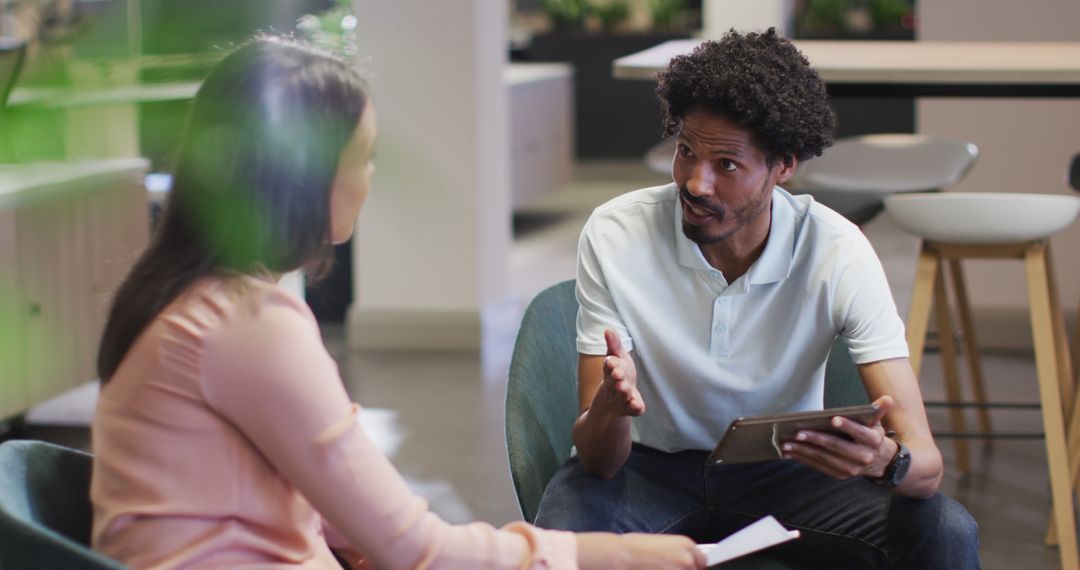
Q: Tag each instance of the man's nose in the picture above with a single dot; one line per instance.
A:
(702, 178)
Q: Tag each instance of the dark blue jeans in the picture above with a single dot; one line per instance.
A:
(843, 524)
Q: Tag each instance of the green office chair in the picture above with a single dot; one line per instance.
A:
(541, 395)
(45, 512)
(542, 400)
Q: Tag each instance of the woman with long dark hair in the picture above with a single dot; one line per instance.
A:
(223, 435)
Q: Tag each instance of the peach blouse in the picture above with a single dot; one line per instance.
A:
(226, 439)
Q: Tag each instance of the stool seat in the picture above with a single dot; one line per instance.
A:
(982, 217)
(886, 163)
(660, 156)
(854, 175)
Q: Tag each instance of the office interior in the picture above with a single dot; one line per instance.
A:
(501, 127)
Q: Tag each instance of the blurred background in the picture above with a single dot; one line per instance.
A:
(501, 128)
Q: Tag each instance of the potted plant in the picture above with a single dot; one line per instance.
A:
(611, 14)
(666, 14)
(566, 15)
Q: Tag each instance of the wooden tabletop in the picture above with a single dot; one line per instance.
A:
(981, 68)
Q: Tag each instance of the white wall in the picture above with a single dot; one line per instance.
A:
(432, 241)
(1025, 144)
(745, 15)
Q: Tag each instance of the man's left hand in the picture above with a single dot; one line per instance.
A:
(867, 455)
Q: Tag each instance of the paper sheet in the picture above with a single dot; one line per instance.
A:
(762, 534)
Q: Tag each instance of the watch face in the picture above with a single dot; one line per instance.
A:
(900, 465)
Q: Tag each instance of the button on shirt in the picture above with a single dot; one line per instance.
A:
(708, 351)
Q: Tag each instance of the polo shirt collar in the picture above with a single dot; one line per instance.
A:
(775, 261)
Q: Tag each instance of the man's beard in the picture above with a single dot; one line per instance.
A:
(741, 216)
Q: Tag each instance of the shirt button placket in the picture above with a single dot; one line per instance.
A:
(719, 344)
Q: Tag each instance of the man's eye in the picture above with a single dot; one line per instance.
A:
(684, 150)
(727, 165)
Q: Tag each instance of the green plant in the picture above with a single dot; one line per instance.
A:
(566, 13)
(827, 14)
(888, 13)
(333, 30)
(665, 12)
(611, 13)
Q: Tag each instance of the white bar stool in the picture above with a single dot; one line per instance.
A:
(855, 175)
(954, 226)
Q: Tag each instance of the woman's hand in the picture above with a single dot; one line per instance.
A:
(866, 455)
(637, 552)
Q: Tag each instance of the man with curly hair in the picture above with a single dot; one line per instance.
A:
(720, 295)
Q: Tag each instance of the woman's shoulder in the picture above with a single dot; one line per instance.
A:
(218, 303)
(249, 295)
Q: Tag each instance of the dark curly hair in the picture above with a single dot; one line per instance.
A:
(759, 81)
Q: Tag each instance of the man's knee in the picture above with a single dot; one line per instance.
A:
(959, 525)
(577, 501)
(952, 523)
(944, 535)
(635, 500)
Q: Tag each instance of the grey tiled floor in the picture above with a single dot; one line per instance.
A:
(439, 414)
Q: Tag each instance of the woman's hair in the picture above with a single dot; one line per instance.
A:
(252, 181)
(759, 81)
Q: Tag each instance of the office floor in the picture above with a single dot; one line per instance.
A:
(439, 415)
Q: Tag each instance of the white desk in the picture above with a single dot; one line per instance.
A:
(69, 232)
(26, 184)
(893, 68)
(541, 105)
(54, 98)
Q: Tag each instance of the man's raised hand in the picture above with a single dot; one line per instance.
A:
(619, 389)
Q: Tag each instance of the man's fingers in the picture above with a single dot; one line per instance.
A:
(626, 390)
(884, 404)
(614, 344)
(818, 458)
(867, 435)
(613, 368)
(815, 463)
(631, 398)
(846, 451)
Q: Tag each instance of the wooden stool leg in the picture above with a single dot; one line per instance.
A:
(1046, 363)
(971, 351)
(1061, 340)
(922, 298)
(1076, 348)
(1065, 371)
(1074, 462)
(1068, 388)
(952, 377)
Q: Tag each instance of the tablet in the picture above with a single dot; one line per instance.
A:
(758, 438)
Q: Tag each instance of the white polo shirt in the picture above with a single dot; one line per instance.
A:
(708, 351)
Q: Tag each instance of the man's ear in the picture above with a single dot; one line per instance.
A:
(786, 169)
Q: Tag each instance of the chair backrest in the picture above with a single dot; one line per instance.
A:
(541, 394)
(45, 512)
(542, 400)
(900, 162)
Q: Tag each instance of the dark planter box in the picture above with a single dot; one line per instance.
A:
(615, 118)
(863, 115)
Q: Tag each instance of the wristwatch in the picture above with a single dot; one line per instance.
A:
(896, 469)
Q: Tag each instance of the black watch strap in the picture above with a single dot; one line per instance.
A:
(897, 468)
